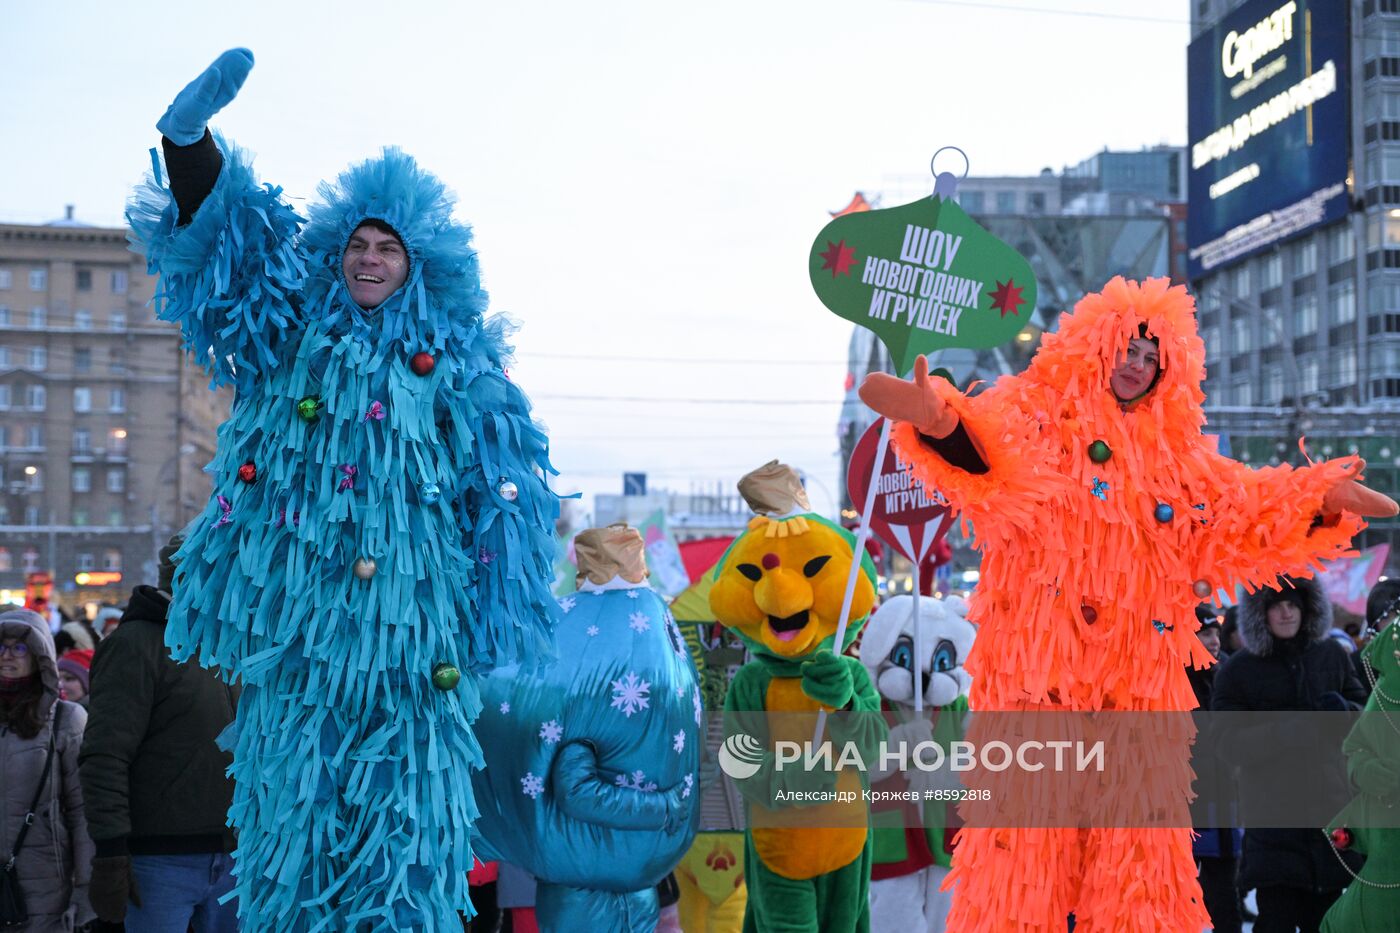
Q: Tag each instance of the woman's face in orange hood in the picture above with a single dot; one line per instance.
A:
(1133, 373)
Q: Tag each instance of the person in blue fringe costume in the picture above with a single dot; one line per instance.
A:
(380, 529)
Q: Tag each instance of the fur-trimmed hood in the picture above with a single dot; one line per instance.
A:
(1254, 627)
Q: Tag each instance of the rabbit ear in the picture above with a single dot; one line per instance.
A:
(956, 604)
(884, 628)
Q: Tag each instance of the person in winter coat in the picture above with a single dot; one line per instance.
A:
(53, 861)
(1289, 663)
(155, 781)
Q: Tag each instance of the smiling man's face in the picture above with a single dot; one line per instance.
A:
(375, 265)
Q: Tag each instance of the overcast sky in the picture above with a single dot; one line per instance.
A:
(645, 178)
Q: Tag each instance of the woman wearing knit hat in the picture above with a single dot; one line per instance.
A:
(45, 853)
(73, 676)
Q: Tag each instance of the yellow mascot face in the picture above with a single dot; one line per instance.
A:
(781, 586)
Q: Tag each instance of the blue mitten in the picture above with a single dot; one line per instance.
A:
(186, 119)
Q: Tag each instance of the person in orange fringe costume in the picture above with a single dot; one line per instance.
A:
(1103, 516)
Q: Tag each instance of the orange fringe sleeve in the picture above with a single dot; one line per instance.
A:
(1267, 522)
(1020, 476)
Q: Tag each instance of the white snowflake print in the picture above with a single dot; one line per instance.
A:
(637, 780)
(689, 783)
(639, 622)
(632, 594)
(551, 732)
(567, 604)
(699, 710)
(678, 741)
(591, 630)
(631, 694)
(531, 786)
(505, 707)
(597, 592)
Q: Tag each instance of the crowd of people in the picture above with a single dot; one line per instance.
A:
(109, 756)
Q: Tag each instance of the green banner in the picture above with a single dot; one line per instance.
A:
(922, 276)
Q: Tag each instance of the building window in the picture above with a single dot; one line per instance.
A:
(4, 397)
(116, 399)
(1305, 315)
(1240, 279)
(1210, 336)
(1343, 301)
(82, 441)
(85, 561)
(82, 399)
(5, 510)
(1308, 374)
(114, 516)
(1035, 202)
(117, 363)
(1272, 271)
(4, 316)
(82, 359)
(1242, 393)
(1273, 386)
(38, 359)
(38, 318)
(116, 441)
(34, 478)
(84, 282)
(1340, 243)
(116, 480)
(974, 202)
(1346, 367)
(35, 397)
(82, 319)
(6, 561)
(80, 516)
(6, 278)
(82, 479)
(31, 515)
(34, 437)
(29, 561)
(116, 320)
(38, 280)
(1239, 332)
(4, 357)
(112, 560)
(1006, 202)
(118, 281)
(1305, 261)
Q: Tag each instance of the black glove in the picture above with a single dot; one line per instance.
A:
(111, 887)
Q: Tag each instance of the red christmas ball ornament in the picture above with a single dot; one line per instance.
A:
(1091, 615)
(422, 363)
(1341, 838)
(248, 472)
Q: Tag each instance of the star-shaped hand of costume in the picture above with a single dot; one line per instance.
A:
(1007, 297)
(838, 258)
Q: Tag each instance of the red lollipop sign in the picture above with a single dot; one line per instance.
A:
(904, 516)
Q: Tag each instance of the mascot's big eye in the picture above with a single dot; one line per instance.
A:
(814, 566)
(750, 571)
(903, 653)
(945, 656)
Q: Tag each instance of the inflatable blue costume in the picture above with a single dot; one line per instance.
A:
(380, 529)
(592, 766)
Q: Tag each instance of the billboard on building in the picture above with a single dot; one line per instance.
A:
(1268, 104)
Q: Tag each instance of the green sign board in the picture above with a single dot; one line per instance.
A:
(923, 276)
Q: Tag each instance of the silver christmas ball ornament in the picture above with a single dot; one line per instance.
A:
(508, 490)
(366, 568)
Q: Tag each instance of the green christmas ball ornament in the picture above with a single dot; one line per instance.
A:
(309, 408)
(1099, 452)
(445, 676)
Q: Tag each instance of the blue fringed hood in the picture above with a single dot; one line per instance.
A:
(442, 298)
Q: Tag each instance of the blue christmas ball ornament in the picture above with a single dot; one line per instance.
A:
(1163, 513)
(429, 493)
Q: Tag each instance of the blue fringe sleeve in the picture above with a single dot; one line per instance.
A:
(230, 277)
(511, 542)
